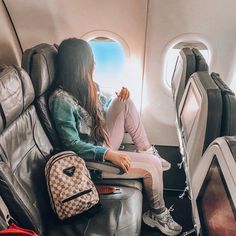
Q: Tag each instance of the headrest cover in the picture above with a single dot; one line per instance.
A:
(201, 64)
(16, 94)
(40, 62)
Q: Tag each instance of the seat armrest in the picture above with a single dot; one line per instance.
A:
(97, 168)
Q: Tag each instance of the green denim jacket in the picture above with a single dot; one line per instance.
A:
(73, 125)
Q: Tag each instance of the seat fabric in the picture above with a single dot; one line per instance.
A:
(40, 63)
(24, 151)
(201, 64)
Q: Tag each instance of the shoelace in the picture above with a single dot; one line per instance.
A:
(166, 217)
(155, 152)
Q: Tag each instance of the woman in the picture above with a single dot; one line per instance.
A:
(95, 133)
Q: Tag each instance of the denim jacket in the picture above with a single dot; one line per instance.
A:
(73, 125)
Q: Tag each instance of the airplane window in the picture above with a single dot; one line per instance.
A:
(110, 63)
(171, 61)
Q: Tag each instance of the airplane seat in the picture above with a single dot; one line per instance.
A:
(201, 64)
(185, 66)
(39, 62)
(24, 151)
(228, 123)
(200, 116)
(214, 188)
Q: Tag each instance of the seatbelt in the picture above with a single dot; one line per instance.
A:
(4, 212)
(11, 229)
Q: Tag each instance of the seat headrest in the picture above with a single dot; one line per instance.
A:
(40, 62)
(201, 64)
(16, 94)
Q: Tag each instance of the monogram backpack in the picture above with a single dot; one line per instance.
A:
(70, 188)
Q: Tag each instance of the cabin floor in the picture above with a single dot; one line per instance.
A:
(174, 185)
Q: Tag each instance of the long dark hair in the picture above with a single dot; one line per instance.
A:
(75, 68)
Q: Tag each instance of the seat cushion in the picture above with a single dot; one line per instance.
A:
(120, 215)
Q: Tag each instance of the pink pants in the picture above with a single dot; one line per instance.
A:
(121, 117)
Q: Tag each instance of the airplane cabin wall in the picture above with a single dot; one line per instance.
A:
(54, 20)
(169, 22)
(10, 51)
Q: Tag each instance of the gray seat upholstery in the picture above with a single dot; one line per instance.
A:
(201, 64)
(200, 115)
(25, 149)
(228, 121)
(39, 62)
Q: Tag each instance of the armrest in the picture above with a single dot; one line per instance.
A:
(97, 168)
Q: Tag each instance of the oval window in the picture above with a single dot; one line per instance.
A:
(172, 56)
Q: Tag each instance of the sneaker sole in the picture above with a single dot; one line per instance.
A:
(154, 224)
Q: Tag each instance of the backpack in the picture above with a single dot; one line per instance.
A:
(69, 184)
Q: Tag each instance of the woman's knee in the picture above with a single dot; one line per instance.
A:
(117, 104)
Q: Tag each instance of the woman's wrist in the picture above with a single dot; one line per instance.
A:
(107, 155)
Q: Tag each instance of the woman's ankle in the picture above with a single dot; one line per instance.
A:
(158, 211)
(144, 149)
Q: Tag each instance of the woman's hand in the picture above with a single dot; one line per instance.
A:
(118, 159)
(123, 95)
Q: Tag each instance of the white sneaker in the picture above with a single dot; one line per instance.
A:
(152, 150)
(164, 222)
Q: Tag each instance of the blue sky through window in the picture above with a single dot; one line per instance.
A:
(110, 60)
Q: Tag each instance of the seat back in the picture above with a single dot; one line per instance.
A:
(185, 66)
(200, 116)
(228, 121)
(201, 64)
(40, 63)
(24, 150)
(214, 187)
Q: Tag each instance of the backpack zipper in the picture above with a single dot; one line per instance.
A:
(76, 195)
